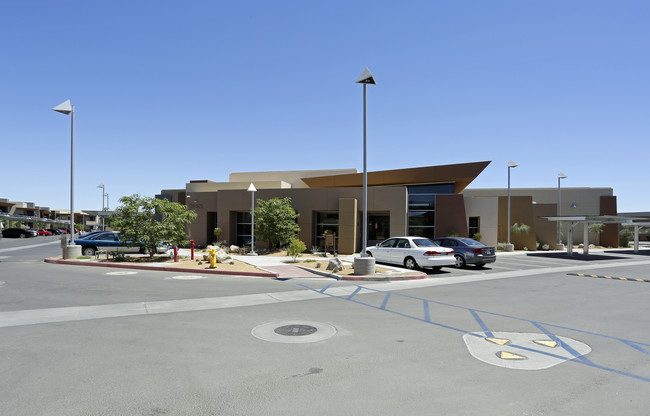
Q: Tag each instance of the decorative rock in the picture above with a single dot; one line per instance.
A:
(334, 263)
(234, 249)
(223, 257)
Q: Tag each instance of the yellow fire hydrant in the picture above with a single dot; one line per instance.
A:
(213, 258)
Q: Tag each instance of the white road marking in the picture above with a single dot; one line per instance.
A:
(3, 250)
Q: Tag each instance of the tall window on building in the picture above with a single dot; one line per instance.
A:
(243, 235)
(422, 208)
(474, 226)
(325, 221)
(378, 227)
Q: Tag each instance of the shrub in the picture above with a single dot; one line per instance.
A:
(315, 249)
(501, 246)
(522, 228)
(545, 247)
(478, 236)
(318, 265)
(295, 248)
(452, 234)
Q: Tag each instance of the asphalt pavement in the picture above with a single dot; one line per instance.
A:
(532, 334)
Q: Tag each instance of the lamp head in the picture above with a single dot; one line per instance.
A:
(561, 176)
(64, 108)
(366, 78)
(512, 164)
(252, 188)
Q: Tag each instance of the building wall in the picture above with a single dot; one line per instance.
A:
(487, 209)
(392, 200)
(521, 212)
(545, 231)
(450, 215)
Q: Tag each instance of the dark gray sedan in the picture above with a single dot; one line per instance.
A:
(468, 251)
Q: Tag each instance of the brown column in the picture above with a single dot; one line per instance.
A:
(347, 225)
(450, 215)
(609, 236)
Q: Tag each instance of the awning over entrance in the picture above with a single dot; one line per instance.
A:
(637, 222)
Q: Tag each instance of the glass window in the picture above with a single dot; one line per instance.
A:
(422, 202)
(325, 221)
(437, 188)
(422, 231)
(473, 226)
(388, 243)
(243, 229)
(421, 218)
(424, 242)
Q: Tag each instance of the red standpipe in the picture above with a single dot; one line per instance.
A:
(175, 254)
(192, 246)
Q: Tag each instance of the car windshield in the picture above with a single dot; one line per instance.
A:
(470, 242)
(424, 242)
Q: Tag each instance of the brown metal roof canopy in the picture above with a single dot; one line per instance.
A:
(461, 174)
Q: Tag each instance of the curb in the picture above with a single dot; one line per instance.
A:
(55, 260)
(366, 278)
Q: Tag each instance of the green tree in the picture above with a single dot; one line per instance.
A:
(276, 221)
(149, 221)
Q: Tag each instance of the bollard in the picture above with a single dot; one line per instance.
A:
(175, 254)
(213, 258)
(192, 248)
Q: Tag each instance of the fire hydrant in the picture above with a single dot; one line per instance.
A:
(213, 258)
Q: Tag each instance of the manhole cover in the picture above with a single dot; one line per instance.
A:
(294, 332)
(120, 273)
(188, 277)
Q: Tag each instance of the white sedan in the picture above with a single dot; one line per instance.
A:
(412, 252)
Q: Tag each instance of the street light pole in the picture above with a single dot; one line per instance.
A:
(365, 78)
(252, 190)
(67, 108)
(101, 185)
(511, 165)
(560, 176)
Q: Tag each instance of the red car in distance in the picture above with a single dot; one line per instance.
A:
(44, 232)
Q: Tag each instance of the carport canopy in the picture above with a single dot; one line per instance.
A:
(573, 220)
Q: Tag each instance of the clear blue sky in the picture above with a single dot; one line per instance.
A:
(166, 92)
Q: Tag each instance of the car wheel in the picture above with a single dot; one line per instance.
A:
(460, 262)
(480, 265)
(410, 263)
(369, 254)
(22, 236)
(144, 250)
(88, 251)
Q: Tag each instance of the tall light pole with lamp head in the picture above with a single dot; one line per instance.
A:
(252, 190)
(67, 108)
(101, 185)
(366, 266)
(511, 164)
(560, 176)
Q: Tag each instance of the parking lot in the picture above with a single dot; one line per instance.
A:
(90, 341)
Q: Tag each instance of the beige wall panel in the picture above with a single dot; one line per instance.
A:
(487, 209)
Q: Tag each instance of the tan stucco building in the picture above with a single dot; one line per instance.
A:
(428, 201)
